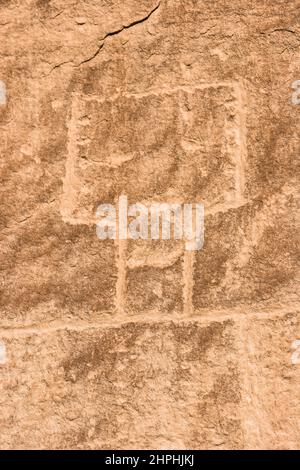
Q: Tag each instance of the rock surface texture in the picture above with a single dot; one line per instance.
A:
(110, 344)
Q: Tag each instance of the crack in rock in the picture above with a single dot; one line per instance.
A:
(112, 33)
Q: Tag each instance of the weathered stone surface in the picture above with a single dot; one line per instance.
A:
(51, 270)
(156, 385)
(272, 382)
(251, 255)
(193, 384)
(162, 101)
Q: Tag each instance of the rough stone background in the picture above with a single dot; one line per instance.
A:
(141, 345)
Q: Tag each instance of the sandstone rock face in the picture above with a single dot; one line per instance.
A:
(115, 344)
